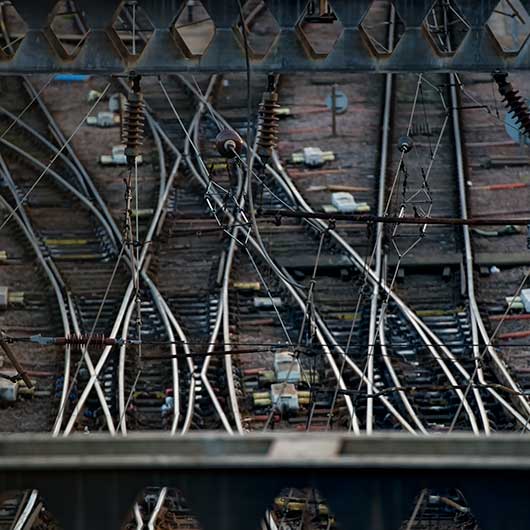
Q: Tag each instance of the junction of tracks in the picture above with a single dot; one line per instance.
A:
(264, 264)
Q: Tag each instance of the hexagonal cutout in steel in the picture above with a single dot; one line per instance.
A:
(131, 29)
(67, 30)
(13, 29)
(446, 27)
(382, 27)
(193, 29)
(319, 29)
(261, 28)
(509, 24)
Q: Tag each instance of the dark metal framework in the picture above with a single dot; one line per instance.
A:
(91, 481)
(101, 52)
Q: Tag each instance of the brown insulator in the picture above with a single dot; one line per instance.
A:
(513, 101)
(228, 143)
(76, 341)
(133, 122)
(268, 119)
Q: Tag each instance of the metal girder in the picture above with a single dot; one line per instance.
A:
(100, 53)
(369, 482)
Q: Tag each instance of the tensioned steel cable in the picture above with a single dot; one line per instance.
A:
(307, 308)
(369, 262)
(287, 279)
(59, 418)
(28, 106)
(54, 158)
(485, 350)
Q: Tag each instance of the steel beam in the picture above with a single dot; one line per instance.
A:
(370, 482)
(414, 52)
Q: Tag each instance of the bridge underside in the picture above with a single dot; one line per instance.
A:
(370, 482)
(485, 43)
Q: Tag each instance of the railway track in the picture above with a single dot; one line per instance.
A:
(76, 257)
(303, 325)
(296, 251)
(246, 282)
(190, 247)
(142, 391)
(422, 328)
(494, 176)
(86, 245)
(442, 305)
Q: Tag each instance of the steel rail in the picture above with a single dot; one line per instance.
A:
(28, 511)
(143, 267)
(419, 325)
(111, 230)
(63, 182)
(373, 327)
(223, 307)
(157, 298)
(114, 233)
(469, 262)
(396, 380)
(63, 299)
(468, 256)
(322, 331)
(138, 519)
(378, 270)
(360, 263)
(108, 227)
(151, 524)
(322, 328)
(203, 179)
(122, 312)
(169, 314)
(36, 134)
(223, 300)
(302, 305)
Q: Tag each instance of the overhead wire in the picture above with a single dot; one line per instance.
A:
(287, 281)
(54, 158)
(85, 357)
(28, 106)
